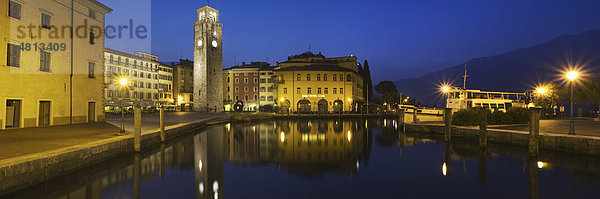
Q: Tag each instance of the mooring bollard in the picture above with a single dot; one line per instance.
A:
(162, 124)
(401, 116)
(483, 122)
(448, 124)
(137, 129)
(534, 131)
(415, 119)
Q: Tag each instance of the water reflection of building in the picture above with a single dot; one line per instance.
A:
(313, 148)
(209, 154)
(304, 147)
(251, 143)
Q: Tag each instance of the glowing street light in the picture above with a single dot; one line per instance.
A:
(541, 90)
(123, 81)
(445, 89)
(572, 76)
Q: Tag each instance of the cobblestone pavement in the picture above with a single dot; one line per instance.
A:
(582, 127)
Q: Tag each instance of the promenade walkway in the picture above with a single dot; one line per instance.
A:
(582, 127)
(20, 142)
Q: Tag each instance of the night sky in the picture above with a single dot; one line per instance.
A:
(400, 39)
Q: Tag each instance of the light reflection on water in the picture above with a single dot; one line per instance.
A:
(327, 159)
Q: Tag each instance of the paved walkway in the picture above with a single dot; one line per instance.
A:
(20, 142)
(582, 127)
(151, 121)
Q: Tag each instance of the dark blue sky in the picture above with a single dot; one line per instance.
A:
(400, 38)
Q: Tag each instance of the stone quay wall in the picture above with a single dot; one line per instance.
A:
(24, 171)
(578, 144)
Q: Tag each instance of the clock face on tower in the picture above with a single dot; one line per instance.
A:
(214, 44)
(199, 43)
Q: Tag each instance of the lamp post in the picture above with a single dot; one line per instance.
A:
(123, 81)
(572, 76)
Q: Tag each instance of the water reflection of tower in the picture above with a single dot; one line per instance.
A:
(208, 159)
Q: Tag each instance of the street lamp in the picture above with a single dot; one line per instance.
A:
(572, 76)
(541, 90)
(123, 81)
(445, 91)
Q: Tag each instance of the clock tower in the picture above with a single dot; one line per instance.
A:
(208, 61)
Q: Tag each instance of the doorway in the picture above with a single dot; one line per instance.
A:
(91, 112)
(44, 115)
(13, 113)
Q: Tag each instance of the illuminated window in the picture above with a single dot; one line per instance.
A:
(326, 91)
(318, 90)
(309, 90)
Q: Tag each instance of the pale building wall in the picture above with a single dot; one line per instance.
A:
(30, 85)
(131, 67)
(165, 81)
(266, 75)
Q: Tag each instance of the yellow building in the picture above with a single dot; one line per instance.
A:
(312, 83)
(49, 78)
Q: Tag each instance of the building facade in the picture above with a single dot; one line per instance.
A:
(183, 85)
(141, 71)
(268, 88)
(43, 84)
(312, 83)
(208, 61)
(165, 86)
(242, 84)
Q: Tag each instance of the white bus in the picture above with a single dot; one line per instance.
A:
(458, 99)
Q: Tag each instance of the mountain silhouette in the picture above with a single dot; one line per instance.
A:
(516, 71)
